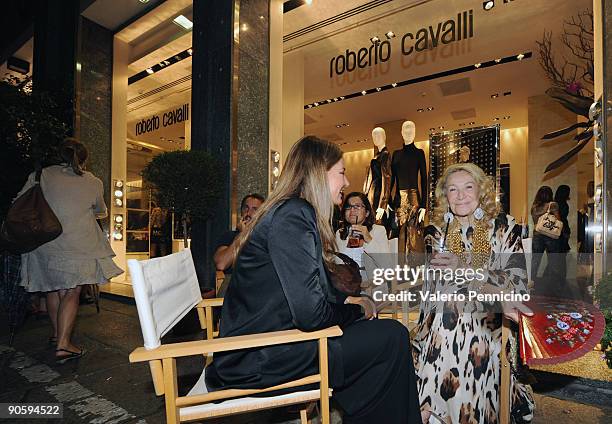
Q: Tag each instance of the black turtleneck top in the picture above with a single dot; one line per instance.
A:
(407, 164)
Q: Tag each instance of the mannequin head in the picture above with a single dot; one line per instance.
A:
(408, 132)
(379, 137)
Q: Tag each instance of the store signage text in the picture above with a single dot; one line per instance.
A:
(446, 32)
(168, 118)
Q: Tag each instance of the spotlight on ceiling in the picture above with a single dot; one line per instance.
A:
(420, 110)
(150, 71)
(430, 108)
(375, 40)
(432, 129)
(390, 35)
(488, 5)
(190, 52)
(363, 93)
(496, 119)
(183, 22)
(494, 96)
(498, 60)
(477, 65)
(441, 127)
(394, 85)
(143, 1)
(520, 56)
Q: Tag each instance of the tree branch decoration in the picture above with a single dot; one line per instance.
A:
(572, 78)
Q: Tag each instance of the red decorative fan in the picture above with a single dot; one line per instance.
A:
(560, 330)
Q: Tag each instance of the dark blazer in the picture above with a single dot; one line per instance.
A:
(279, 283)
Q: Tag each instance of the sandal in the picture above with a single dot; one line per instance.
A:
(71, 355)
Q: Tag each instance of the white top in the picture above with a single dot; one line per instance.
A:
(76, 201)
(378, 245)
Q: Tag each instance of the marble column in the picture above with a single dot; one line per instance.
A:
(94, 98)
(230, 106)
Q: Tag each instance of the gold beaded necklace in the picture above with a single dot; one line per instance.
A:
(478, 257)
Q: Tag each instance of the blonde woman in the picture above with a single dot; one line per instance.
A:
(280, 282)
(457, 344)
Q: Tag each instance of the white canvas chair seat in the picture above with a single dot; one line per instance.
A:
(243, 404)
(165, 290)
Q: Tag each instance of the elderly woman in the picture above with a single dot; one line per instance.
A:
(457, 344)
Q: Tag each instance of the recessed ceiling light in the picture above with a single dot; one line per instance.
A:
(335, 99)
(244, 27)
(471, 123)
(390, 35)
(363, 92)
(496, 119)
(432, 129)
(507, 117)
(183, 22)
(441, 127)
(477, 65)
(377, 88)
(338, 126)
(328, 100)
(149, 71)
(316, 104)
(494, 96)
(430, 108)
(261, 17)
(488, 5)
(420, 110)
(143, 1)
(375, 40)
(190, 51)
(520, 56)
(341, 97)
(309, 106)
(394, 85)
(498, 60)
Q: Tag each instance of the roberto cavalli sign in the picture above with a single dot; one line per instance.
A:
(449, 31)
(163, 120)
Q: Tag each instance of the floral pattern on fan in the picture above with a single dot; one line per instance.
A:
(559, 330)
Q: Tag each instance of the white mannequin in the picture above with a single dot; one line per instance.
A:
(379, 137)
(408, 134)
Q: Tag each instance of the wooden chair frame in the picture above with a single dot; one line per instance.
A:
(162, 362)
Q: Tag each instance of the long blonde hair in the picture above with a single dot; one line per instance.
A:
(487, 197)
(304, 175)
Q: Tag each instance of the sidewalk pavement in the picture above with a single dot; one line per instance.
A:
(103, 387)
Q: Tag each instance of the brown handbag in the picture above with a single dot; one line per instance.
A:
(30, 221)
(346, 276)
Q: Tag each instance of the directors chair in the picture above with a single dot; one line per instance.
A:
(166, 289)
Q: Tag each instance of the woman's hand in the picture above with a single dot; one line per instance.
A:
(512, 309)
(444, 260)
(366, 303)
(363, 230)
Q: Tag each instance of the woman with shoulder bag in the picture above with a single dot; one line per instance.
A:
(545, 239)
(81, 254)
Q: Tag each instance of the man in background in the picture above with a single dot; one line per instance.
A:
(225, 250)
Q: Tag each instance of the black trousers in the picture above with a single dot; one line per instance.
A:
(379, 379)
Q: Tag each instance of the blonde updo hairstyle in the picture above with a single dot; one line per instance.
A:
(487, 196)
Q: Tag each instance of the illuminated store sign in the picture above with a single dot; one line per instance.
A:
(427, 38)
(166, 119)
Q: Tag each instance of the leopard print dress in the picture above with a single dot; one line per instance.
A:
(457, 353)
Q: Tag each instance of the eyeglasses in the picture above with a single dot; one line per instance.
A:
(356, 207)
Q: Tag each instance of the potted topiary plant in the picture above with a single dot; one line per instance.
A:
(187, 183)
